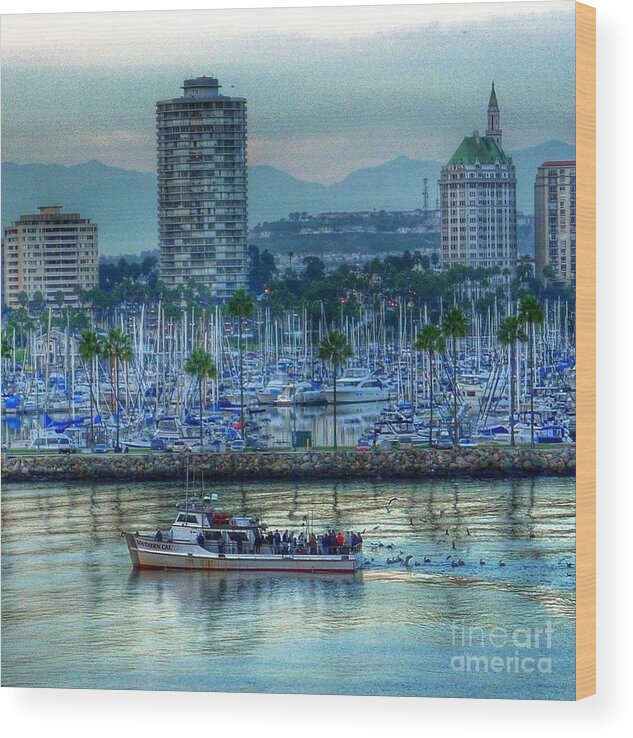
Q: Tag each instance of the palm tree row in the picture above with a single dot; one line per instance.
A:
(455, 325)
(116, 347)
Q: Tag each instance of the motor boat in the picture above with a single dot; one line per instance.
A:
(204, 538)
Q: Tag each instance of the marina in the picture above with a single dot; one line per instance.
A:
(271, 391)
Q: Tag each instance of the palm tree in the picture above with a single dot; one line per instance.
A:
(5, 352)
(6, 347)
(510, 331)
(432, 340)
(200, 364)
(335, 348)
(117, 347)
(241, 307)
(89, 348)
(531, 313)
(455, 326)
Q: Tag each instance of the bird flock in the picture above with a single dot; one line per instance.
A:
(407, 560)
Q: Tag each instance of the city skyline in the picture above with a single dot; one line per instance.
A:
(322, 103)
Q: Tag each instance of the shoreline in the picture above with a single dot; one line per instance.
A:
(419, 463)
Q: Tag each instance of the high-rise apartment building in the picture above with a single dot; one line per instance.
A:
(49, 252)
(202, 188)
(555, 221)
(478, 201)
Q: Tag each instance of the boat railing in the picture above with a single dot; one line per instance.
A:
(283, 549)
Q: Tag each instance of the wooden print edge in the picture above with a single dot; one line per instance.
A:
(586, 350)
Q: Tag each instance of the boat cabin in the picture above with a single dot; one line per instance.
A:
(222, 533)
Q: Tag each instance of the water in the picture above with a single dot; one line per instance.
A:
(278, 423)
(74, 614)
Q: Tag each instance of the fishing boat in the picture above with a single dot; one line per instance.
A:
(203, 538)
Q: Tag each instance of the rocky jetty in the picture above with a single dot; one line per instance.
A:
(407, 464)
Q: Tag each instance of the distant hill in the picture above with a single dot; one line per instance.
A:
(123, 202)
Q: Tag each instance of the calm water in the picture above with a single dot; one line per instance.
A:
(74, 614)
(277, 423)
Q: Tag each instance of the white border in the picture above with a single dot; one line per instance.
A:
(91, 714)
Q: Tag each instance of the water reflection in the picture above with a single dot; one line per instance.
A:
(75, 614)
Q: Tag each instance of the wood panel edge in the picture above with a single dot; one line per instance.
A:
(586, 351)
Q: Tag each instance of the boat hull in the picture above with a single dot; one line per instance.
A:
(353, 397)
(146, 553)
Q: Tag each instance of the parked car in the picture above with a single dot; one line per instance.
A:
(467, 442)
(444, 441)
(101, 448)
(157, 444)
(237, 445)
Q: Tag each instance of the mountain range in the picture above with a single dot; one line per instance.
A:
(123, 202)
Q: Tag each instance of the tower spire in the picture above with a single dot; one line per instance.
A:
(492, 103)
(494, 123)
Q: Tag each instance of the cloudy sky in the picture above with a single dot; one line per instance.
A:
(329, 90)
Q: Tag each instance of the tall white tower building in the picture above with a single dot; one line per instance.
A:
(202, 188)
(478, 201)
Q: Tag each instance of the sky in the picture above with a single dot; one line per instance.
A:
(329, 90)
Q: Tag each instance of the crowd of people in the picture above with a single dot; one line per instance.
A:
(329, 543)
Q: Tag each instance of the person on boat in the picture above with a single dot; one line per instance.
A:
(277, 542)
(348, 541)
(321, 544)
(340, 541)
(258, 543)
(200, 539)
(312, 543)
(331, 542)
(159, 535)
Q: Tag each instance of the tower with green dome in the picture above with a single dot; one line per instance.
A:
(478, 200)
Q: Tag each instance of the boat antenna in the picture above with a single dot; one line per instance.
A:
(187, 489)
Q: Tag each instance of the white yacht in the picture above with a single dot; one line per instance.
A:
(272, 390)
(168, 428)
(354, 387)
(300, 393)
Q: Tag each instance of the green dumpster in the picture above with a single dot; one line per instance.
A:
(301, 439)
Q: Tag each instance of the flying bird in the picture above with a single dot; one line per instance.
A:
(388, 505)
